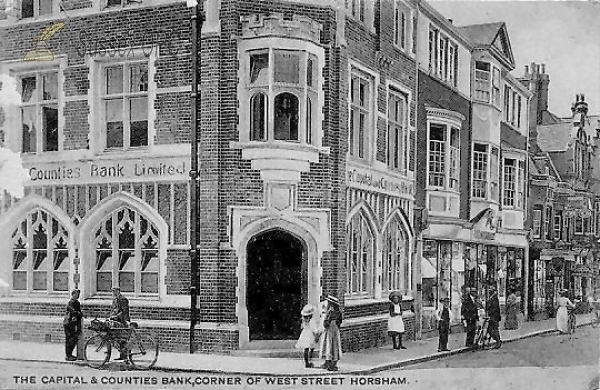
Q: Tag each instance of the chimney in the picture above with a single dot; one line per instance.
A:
(580, 106)
(543, 68)
(526, 70)
(544, 80)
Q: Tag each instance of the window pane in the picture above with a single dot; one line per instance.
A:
(45, 7)
(259, 65)
(50, 86)
(60, 281)
(310, 78)
(103, 281)
(112, 3)
(127, 281)
(27, 8)
(114, 123)
(287, 67)
(19, 280)
(150, 283)
(28, 89)
(286, 117)
(114, 80)
(40, 281)
(139, 122)
(29, 130)
(258, 111)
(50, 128)
(138, 77)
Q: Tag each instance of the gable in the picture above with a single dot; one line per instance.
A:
(502, 44)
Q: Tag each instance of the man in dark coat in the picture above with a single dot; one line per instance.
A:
(492, 308)
(72, 325)
(469, 316)
(120, 313)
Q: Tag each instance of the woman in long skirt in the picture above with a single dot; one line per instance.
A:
(562, 314)
(331, 345)
(512, 309)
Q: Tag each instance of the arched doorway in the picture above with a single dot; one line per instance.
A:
(276, 285)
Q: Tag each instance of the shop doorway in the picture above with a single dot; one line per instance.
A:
(277, 285)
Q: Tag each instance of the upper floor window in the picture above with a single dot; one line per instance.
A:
(443, 57)
(483, 79)
(512, 107)
(402, 18)
(513, 183)
(40, 254)
(557, 225)
(397, 134)
(536, 228)
(360, 261)
(361, 86)
(444, 156)
(485, 172)
(282, 86)
(548, 223)
(37, 8)
(125, 105)
(126, 253)
(39, 112)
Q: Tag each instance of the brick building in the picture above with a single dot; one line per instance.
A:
(307, 134)
(103, 127)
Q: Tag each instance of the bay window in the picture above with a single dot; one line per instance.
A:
(444, 156)
(282, 85)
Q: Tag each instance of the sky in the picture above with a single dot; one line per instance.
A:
(565, 35)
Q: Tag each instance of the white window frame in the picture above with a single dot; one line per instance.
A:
(362, 11)
(536, 226)
(395, 258)
(483, 82)
(481, 165)
(402, 23)
(443, 56)
(557, 225)
(450, 155)
(38, 103)
(509, 183)
(397, 132)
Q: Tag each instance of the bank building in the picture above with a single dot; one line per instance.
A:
(307, 132)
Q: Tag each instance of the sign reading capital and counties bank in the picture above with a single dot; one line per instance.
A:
(373, 180)
(108, 171)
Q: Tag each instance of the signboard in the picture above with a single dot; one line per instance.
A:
(113, 170)
(367, 179)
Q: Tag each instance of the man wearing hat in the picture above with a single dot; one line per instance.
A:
(72, 325)
(120, 313)
(444, 317)
(492, 307)
(468, 312)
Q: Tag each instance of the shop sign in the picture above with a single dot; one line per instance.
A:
(581, 270)
(166, 168)
(483, 235)
(373, 180)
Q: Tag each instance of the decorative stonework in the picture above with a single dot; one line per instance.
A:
(300, 27)
(440, 113)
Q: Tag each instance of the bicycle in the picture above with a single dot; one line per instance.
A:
(141, 349)
(483, 337)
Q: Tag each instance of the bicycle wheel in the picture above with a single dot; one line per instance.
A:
(143, 352)
(595, 321)
(97, 351)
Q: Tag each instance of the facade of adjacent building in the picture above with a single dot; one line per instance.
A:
(564, 208)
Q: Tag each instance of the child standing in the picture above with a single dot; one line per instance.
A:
(309, 336)
(395, 322)
(444, 317)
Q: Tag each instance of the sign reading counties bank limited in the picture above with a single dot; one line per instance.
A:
(378, 181)
(108, 171)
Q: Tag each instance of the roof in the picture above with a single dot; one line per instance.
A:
(482, 34)
(554, 137)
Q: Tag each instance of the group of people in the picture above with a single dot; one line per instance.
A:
(72, 320)
(321, 329)
(470, 313)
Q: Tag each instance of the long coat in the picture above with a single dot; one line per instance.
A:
(468, 309)
(512, 309)
(331, 344)
(73, 316)
(492, 308)
(120, 310)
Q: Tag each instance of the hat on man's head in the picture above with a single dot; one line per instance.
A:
(308, 310)
(332, 299)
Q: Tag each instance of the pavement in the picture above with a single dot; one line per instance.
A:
(366, 361)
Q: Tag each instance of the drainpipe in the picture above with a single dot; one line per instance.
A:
(417, 283)
(196, 24)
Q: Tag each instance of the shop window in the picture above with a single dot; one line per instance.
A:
(127, 254)
(40, 255)
(429, 275)
(396, 268)
(360, 261)
(39, 112)
(125, 105)
(397, 134)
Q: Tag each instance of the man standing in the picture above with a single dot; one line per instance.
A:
(469, 316)
(120, 313)
(72, 325)
(444, 317)
(492, 308)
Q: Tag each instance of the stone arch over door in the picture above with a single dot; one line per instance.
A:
(98, 214)
(296, 228)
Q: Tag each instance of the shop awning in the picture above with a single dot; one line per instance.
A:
(549, 254)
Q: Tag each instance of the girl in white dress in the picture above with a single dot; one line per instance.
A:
(395, 322)
(562, 314)
(309, 337)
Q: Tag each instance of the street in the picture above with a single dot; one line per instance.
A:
(544, 362)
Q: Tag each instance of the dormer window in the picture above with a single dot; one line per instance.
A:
(282, 91)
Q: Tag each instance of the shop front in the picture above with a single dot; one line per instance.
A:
(558, 275)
